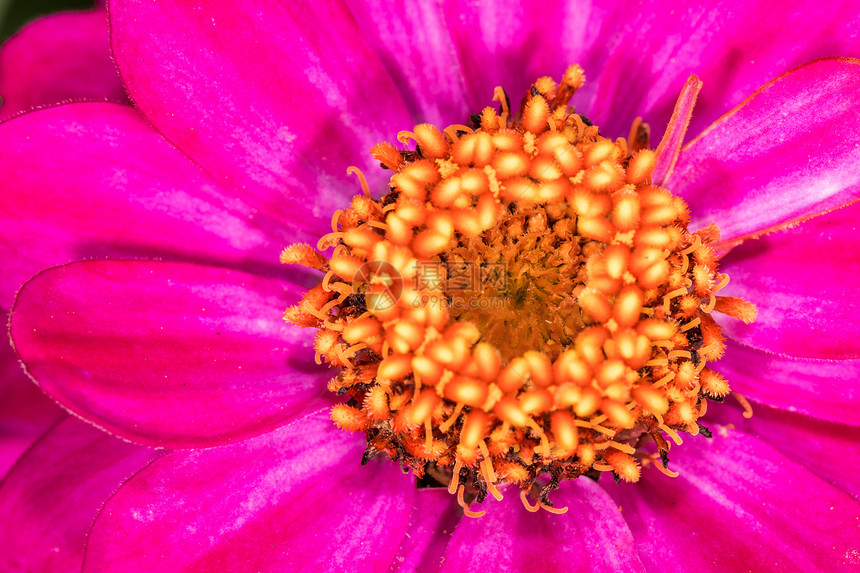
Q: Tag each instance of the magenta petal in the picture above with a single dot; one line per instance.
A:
(296, 499)
(513, 44)
(414, 44)
(59, 58)
(95, 180)
(831, 451)
(25, 411)
(435, 514)
(167, 354)
(734, 47)
(782, 155)
(737, 506)
(591, 536)
(805, 283)
(12, 447)
(819, 388)
(51, 497)
(276, 102)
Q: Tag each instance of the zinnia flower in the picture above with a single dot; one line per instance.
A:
(264, 109)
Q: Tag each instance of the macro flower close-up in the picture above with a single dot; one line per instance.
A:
(362, 286)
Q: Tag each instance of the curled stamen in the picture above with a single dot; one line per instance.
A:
(352, 170)
(659, 465)
(308, 307)
(342, 356)
(500, 96)
(428, 434)
(335, 220)
(446, 425)
(325, 282)
(551, 509)
(667, 299)
(529, 507)
(466, 511)
(354, 348)
(664, 380)
(748, 411)
(697, 242)
(455, 478)
(722, 284)
(490, 479)
(451, 131)
(672, 434)
(329, 305)
(712, 302)
(486, 453)
(328, 240)
(404, 137)
(692, 324)
(342, 289)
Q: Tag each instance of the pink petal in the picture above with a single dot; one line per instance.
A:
(12, 447)
(819, 388)
(276, 102)
(58, 58)
(513, 45)
(739, 505)
(831, 451)
(670, 147)
(591, 536)
(734, 47)
(782, 155)
(25, 411)
(435, 514)
(167, 354)
(295, 499)
(95, 180)
(51, 497)
(413, 42)
(804, 282)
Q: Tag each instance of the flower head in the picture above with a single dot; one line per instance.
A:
(173, 337)
(592, 338)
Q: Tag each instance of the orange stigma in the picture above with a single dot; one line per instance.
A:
(523, 306)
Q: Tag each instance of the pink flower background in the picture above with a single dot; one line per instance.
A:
(146, 240)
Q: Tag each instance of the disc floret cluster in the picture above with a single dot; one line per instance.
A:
(590, 344)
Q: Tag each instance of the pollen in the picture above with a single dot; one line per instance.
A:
(523, 305)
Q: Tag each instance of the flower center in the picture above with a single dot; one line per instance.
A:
(523, 306)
